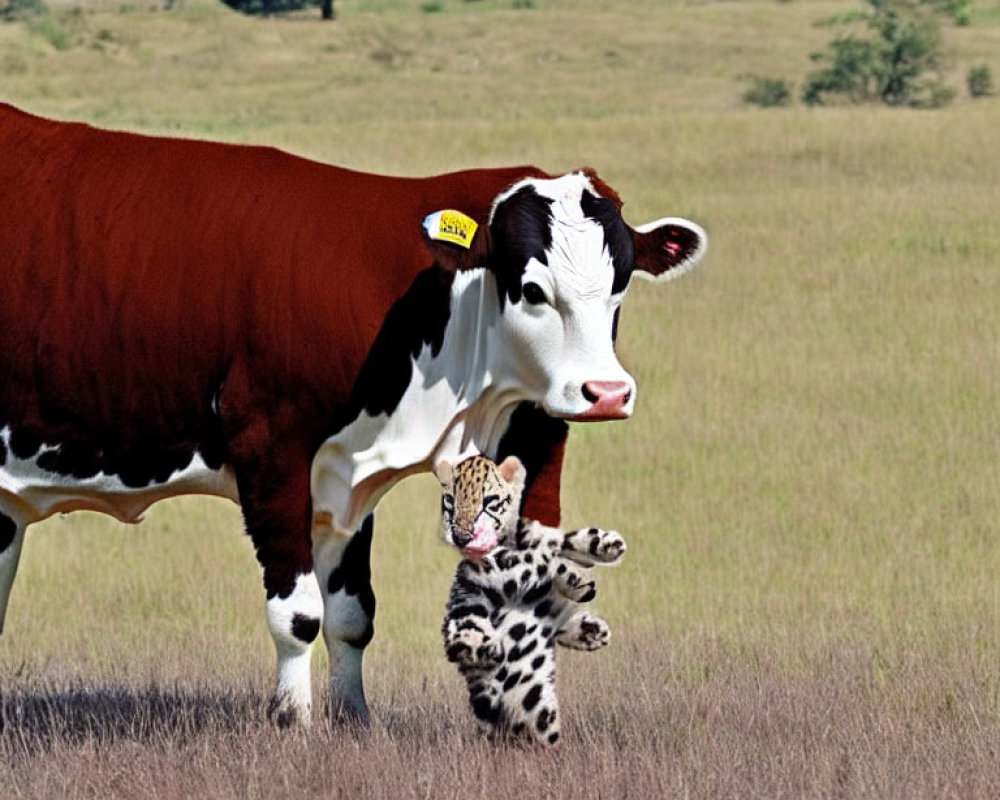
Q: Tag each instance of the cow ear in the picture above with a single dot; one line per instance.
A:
(513, 471)
(668, 248)
(456, 241)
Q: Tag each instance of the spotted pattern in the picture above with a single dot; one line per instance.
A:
(507, 610)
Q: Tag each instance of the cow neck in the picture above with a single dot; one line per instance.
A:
(484, 400)
(446, 403)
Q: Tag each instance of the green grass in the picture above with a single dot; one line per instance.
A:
(810, 487)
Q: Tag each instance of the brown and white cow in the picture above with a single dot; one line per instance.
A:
(184, 316)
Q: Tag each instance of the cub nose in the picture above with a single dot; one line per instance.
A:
(460, 538)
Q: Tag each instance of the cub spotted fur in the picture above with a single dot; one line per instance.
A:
(515, 596)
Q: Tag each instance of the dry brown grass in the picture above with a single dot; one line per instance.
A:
(702, 718)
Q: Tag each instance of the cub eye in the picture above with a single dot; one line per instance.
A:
(492, 502)
(533, 293)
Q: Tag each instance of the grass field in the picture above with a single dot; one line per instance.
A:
(810, 487)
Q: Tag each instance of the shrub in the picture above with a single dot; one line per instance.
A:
(895, 61)
(959, 10)
(270, 6)
(13, 10)
(980, 81)
(767, 92)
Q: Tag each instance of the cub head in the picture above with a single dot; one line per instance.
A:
(480, 502)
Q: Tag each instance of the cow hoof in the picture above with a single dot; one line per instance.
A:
(342, 715)
(286, 715)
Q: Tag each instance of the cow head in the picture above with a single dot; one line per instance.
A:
(563, 258)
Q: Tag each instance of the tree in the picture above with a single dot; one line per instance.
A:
(277, 6)
(896, 61)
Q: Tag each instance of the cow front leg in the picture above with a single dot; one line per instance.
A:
(294, 621)
(344, 572)
(272, 475)
(11, 538)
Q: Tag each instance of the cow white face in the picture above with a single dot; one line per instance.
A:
(563, 259)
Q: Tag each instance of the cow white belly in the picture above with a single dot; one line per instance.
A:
(37, 493)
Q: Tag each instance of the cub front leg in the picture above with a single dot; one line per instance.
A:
(534, 536)
(584, 631)
(589, 546)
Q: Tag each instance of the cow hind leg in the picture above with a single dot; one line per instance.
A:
(11, 539)
(344, 572)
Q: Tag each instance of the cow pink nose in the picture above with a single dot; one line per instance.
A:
(608, 396)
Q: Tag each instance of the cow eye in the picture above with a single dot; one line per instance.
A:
(533, 293)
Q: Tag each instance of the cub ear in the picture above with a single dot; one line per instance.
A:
(513, 471)
(443, 471)
(456, 241)
(668, 248)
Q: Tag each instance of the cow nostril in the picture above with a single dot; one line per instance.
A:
(607, 393)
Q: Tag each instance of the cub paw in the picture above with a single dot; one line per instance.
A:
(607, 547)
(585, 632)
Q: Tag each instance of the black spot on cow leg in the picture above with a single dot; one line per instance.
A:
(8, 530)
(353, 576)
(304, 628)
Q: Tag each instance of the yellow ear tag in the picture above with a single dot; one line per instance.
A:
(451, 226)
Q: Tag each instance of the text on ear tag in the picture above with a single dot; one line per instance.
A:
(451, 226)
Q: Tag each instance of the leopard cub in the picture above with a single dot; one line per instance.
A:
(515, 596)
